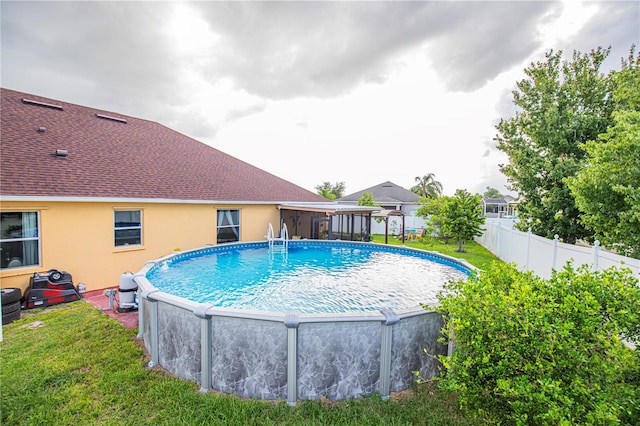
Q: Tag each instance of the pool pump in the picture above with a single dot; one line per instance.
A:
(127, 293)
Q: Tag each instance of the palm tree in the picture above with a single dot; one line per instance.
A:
(427, 186)
(326, 193)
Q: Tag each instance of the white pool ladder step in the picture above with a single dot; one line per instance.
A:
(278, 243)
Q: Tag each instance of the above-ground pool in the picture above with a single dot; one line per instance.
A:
(320, 319)
(308, 278)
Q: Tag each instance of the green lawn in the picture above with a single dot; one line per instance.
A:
(72, 365)
(475, 254)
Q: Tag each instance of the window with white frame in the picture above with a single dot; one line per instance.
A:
(19, 239)
(127, 228)
(228, 226)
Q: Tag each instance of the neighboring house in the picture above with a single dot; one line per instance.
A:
(390, 196)
(387, 195)
(505, 207)
(97, 193)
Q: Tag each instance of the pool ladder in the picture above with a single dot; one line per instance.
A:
(279, 243)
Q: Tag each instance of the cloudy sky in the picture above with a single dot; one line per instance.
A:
(358, 92)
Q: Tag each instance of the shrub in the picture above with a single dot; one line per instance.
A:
(535, 351)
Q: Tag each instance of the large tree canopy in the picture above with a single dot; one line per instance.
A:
(562, 105)
(607, 189)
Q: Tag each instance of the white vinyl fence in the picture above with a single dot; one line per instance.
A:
(541, 255)
(395, 224)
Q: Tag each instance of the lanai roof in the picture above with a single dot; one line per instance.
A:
(113, 156)
(329, 208)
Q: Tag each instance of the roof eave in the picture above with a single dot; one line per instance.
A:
(70, 199)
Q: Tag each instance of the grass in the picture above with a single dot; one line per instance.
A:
(71, 364)
(474, 253)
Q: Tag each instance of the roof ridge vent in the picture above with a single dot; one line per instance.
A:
(108, 117)
(44, 104)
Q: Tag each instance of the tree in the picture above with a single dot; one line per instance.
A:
(432, 210)
(562, 104)
(464, 217)
(530, 351)
(366, 199)
(458, 217)
(607, 189)
(492, 193)
(331, 191)
(326, 193)
(427, 186)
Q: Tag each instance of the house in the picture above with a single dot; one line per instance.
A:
(387, 195)
(504, 207)
(391, 198)
(97, 193)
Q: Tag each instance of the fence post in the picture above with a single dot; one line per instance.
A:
(596, 254)
(391, 318)
(556, 239)
(205, 346)
(528, 247)
(154, 343)
(292, 321)
(140, 316)
(153, 323)
(511, 248)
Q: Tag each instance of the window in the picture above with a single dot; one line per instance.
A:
(128, 228)
(19, 239)
(228, 226)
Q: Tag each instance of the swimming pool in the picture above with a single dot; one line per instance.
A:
(278, 351)
(309, 278)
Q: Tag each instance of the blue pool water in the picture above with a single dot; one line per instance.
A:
(310, 278)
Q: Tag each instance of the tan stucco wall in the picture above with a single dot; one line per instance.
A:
(79, 237)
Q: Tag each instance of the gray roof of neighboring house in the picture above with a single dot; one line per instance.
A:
(51, 148)
(384, 193)
(503, 200)
(494, 201)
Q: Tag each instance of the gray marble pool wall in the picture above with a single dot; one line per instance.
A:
(249, 357)
(334, 359)
(178, 337)
(411, 336)
(179, 341)
(338, 360)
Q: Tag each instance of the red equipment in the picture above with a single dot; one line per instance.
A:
(49, 288)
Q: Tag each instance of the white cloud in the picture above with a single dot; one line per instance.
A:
(360, 92)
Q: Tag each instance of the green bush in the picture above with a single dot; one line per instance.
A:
(535, 351)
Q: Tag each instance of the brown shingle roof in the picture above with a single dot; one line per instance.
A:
(109, 158)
